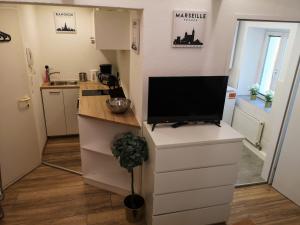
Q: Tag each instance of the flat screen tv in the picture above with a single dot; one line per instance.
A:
(188, 98)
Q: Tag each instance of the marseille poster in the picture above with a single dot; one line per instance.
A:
(188, 28)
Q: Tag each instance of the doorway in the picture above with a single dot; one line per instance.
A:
(262, 53)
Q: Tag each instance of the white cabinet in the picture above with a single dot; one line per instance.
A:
(60, 109)
(112, 30)
(190, 175)
(71, 109)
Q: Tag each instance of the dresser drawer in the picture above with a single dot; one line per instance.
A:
(194, 179)
(204, 216)
(191, 157)
(180, 201)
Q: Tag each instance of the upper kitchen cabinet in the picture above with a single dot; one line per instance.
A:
(112, 30)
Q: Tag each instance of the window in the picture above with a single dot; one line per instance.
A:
(272, 55)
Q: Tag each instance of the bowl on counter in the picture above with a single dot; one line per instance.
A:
(118, 105)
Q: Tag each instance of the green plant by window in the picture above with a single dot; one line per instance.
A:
(254, 89)
(269, 96)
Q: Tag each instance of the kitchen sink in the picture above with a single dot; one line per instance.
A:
(64, 82)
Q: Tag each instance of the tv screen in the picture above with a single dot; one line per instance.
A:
(183, 99)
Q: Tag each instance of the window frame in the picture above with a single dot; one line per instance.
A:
(279, 58)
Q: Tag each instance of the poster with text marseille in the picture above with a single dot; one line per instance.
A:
(188, 28)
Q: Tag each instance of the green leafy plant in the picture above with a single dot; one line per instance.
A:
(131, 151)
(254, 89)
(269, 96)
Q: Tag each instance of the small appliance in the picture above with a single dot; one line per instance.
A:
(105, 73)
(82, 77)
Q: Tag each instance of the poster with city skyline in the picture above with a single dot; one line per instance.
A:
(188, 28)
(65, 22)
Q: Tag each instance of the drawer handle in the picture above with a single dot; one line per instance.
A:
(54, 92)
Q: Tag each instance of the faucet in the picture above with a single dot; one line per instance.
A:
(49, 74)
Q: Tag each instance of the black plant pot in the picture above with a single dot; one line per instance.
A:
(134, 207)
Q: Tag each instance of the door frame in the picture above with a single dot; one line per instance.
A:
(285, 123)
(230, 65)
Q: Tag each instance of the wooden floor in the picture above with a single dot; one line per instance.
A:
(49, 196)
(64, 152)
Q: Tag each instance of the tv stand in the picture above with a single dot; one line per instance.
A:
(178, 124)
(153, 126)
(196, 184)
(218, 123)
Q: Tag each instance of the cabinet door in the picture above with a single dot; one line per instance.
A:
(70, 101)
(112, 30)
(53, 101)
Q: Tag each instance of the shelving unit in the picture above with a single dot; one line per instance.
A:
(99, 166)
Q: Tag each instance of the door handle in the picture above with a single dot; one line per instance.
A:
(54, 92)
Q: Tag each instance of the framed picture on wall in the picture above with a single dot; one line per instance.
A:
(135, 44)
(65, 22)
(188, 28)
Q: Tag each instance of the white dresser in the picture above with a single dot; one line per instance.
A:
(190, 175)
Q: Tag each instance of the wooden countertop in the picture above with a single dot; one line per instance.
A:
(95, 107)
(48, 86)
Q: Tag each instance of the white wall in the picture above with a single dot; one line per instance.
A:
(30, 36)
(123, 67)
(68, 53)
(250, 59)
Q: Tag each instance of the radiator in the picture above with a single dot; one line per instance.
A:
(248, 126)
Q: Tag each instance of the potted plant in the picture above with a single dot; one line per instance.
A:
(254, 91)
(269, 98)
(131, 151)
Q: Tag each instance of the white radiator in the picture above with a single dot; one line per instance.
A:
(248, 126)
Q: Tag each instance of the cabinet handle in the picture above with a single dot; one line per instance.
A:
(54, 92)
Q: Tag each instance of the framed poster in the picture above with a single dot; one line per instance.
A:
(188, 28)
(65, 22)
(135, 45)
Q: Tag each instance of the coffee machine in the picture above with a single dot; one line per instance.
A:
(104, 73)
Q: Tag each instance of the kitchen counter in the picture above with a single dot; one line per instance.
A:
(95, 107)
(48, 86)
(98, 126)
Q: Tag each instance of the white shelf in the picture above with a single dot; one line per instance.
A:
(93, 148)
(105, 169)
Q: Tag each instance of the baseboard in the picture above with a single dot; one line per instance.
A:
(106, 187)
(20, 177)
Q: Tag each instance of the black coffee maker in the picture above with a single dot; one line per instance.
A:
(106, 77)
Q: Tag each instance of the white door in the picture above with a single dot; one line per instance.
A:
(19, 152)
(287, 178)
